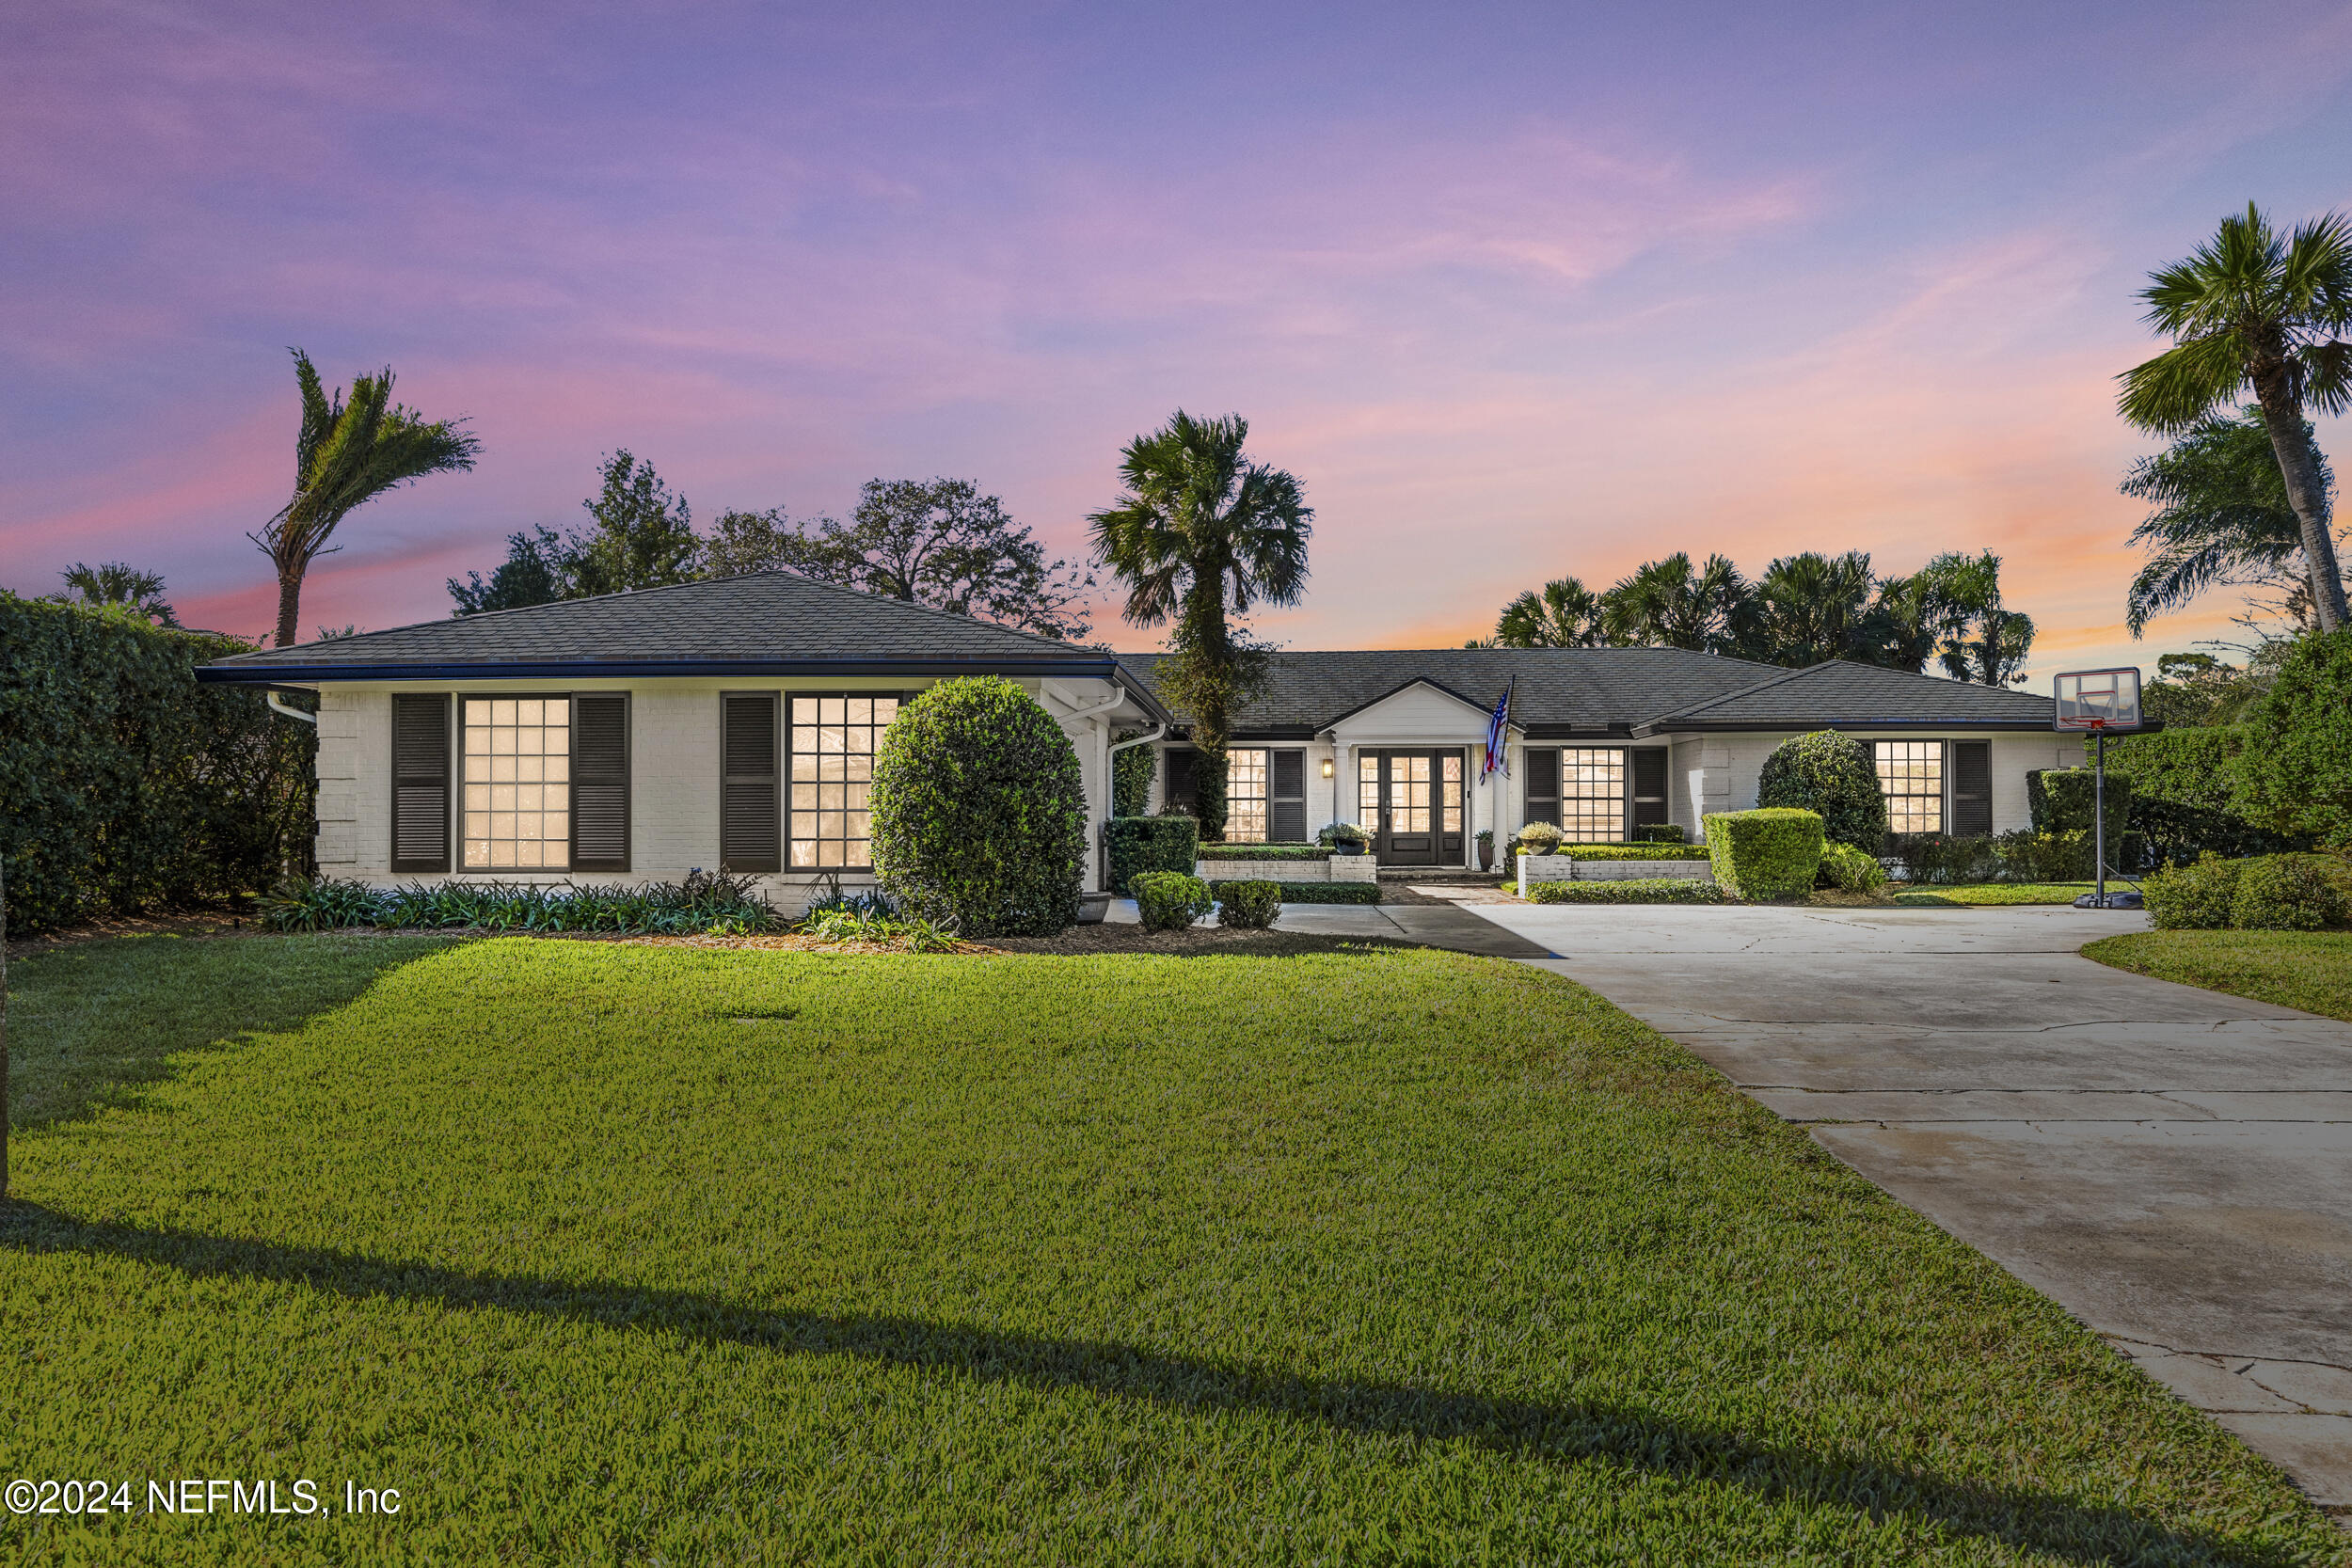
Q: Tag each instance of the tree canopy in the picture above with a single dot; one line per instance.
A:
(2221, 519)
(2252, 308)
(119, 583)
(345, 455)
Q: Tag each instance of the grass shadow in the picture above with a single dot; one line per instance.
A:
(92, 1022)
(1622, 1434)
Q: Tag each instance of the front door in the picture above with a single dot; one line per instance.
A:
(1412, 802)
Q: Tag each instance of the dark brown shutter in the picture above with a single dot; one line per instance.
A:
(1543, 785)
(1972, 788)
(751, 825)
(1180, 793)
(1649, 785)
(420, 782)
(1286, 807)
(600, 782)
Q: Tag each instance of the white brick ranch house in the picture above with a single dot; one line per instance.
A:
(734, 721)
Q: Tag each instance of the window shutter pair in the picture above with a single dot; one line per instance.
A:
(1543, 785)
(422, 787)
(751, 819)
(1649, 785)
(1286, 797)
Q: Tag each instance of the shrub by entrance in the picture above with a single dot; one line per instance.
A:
(980, 815)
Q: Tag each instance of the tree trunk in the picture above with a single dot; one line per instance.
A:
(2298, 464)
(289, 603)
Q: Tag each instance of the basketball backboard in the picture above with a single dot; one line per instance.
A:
(2106, 700)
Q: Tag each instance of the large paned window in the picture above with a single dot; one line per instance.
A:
(832, 769)
(1246, 795)
(1591, 794)
(517, 782)
(1911, 776)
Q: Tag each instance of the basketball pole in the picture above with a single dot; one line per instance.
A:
(2099, 812)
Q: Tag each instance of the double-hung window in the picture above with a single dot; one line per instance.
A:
(833, 741)
(1911, 776)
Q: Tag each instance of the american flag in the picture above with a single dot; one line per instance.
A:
(1498, 728)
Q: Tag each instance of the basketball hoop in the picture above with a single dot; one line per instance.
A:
(2098, 703)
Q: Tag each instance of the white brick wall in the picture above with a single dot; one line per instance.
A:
(673, 797)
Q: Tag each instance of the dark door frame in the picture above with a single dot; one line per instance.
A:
(1443, 847)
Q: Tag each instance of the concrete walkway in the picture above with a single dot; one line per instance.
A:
(2173, 1166)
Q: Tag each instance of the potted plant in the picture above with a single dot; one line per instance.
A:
(1486, 848)
(1345, 838)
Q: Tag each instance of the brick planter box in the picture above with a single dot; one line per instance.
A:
(1323, 868)
(1561, 868)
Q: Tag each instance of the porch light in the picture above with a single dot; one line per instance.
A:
(1327, 767)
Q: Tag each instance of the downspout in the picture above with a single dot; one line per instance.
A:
(278, 704)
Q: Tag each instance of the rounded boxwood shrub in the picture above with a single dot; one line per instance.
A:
(1170, 900)
(2285, 893)
(1832, 776)
(1771, 852)
(1250, 906)
(2201, 896)
(979, 817)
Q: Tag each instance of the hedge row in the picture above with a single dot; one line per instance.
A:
(1632, 890)
(1661, 851)
(1263, 852)
(701, 902)
(2270, 893)
(1319, 892)
(127, 784)
(1138, 843)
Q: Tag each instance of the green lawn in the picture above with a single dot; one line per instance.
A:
(618, 1252)
(89, 1022)
(1998, 893)
(2311, 970)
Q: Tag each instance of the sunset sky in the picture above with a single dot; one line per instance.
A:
(1515, 291)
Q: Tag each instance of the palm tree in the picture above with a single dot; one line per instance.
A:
(1565, 614)
(2222, 516)
(1199, 535)
(1673, 604)
(2251, 309)
(1813, 607)
(1932, 611)
(1996, 655)
(119, 583)
(345, 456)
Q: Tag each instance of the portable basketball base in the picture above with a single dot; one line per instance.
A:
(2096, 701)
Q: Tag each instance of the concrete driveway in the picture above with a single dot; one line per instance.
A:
(2173, 1166)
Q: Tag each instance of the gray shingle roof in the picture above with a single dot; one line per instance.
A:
(1842, 695)
(1559, 691)
(1564, 691)
(761, 623)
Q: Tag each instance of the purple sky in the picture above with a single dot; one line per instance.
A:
(1515, 291)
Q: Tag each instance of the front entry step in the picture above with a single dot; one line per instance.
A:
(1440, 875)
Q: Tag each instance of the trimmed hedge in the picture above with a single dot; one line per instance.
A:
(1134, 844)
(1836, 777)
(2294, 775)
(2201, 896)
(1250, 906)
(2286, 892)
(1632, 890)
(1632, 851)
(1132, 772)
(2064, 799)
(128, 786)
(1658, 833)
(1170, 900)
(1772, 852)
(1263, 852)
(701, 902)
(979, 814)
(1318, 892)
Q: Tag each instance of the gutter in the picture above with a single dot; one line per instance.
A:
(231, 674)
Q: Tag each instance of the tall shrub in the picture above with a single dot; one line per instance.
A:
(2065, 800)
(1832, 776)
(2294, 775)
(980, 815)
(2185, 797)
(1132, 771)
(127, 784)
(1772, 852)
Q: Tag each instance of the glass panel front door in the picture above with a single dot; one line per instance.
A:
(1411, 802)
